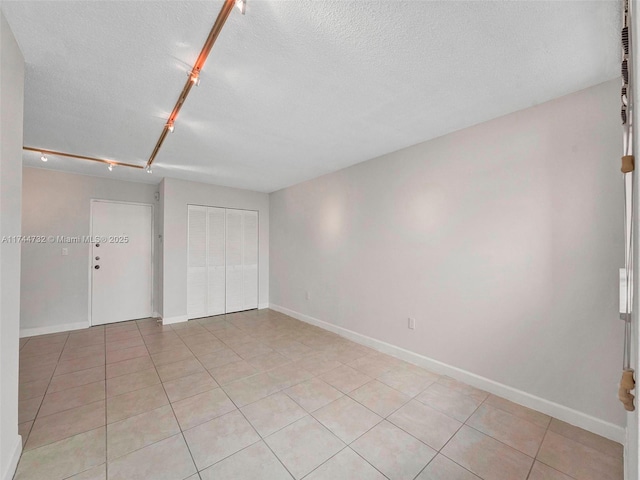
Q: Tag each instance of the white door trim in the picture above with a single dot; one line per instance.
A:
(153, 253)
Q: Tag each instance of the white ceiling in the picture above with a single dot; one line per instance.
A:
(293, 89)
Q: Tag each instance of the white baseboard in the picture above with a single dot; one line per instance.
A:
(561, 412)
(10, 470)
(65, 327)
(262, 306)
(172, 320)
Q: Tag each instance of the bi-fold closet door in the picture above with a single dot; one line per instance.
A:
(222, 272)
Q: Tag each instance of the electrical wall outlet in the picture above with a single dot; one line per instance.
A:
(412, 323)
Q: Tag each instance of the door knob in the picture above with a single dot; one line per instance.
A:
(97, 267)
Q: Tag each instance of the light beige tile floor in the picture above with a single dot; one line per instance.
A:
(259, 395)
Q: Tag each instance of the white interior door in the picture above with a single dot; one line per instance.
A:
(250, 259)
(121, 261)
(216, 262)
(234, 277)
(197, 262)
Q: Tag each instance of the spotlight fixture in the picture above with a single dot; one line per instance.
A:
(43, 157)
(110, 167)
(170, 126)
(242, 6)
(148, 169)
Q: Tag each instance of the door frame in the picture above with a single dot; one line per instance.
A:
(153, 253)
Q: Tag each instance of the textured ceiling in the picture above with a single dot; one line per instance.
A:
(293, 89)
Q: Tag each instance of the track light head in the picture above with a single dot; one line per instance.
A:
(148, 169)
(170, 126)
(43, 157)
(242, 6)
(110, 167)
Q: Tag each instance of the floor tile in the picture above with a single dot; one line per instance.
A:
(129, 366)
(540, 471)
(288, 375)
(460, 387)
(36, 372)
(179, 369)
(126, 354)
(172, 355)
(380, 398)
(76, 379)
(578, 460)
(219, 438)
(372, 366)
(347, 419)
(136, 432)
(28, 409)
(73, 353)
(487, 457)
(63, 459)
(34, 350)
(30, 362)
(317, 364)
(251, 349)
(406, 381)
(254, 462)
(346, 465)
(268, 361)
(95, 473)
(219, 358)
(304, 445)
(345, 378)
(210, 346)
(202, 407)
(509, 429)
(232, 372)
(525, 413)
(68, 423)
(131, 382)
(273, 413)
(168, 459)
(134, 403)
(425, 423)
(441, 468)
(450, 402)
(252, 389)
(69, 366)
(589, 439)
(72, 397)
(184, 387)
(133, 341)
(313, 394)
(32, 389)
(394, 452)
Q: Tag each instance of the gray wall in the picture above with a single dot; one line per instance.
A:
(11, 120)
(55, 288)
(177, 194)
(503, 240)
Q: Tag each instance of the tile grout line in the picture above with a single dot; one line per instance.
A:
(193, 461)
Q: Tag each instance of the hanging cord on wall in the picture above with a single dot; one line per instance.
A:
(627, 382)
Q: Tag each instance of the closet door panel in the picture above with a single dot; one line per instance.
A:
(234, 277)
(215, 260)
(197, 262)
(250, 259)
